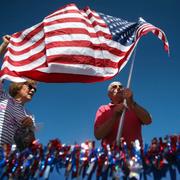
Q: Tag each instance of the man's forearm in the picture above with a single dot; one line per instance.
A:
(102, 131)
(3, 48)
(141, 113)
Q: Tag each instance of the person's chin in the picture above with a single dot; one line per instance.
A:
(29, 97)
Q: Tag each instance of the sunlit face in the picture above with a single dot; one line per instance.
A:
(26, 92)
(116, 93)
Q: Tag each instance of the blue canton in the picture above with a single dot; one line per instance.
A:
(122, 31)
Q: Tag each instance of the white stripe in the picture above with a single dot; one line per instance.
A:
(141, 29)
(78, 69)
(67, 15)
(160, 35)
(26, 67)
(73, 7)
(29, 43)
(24, 56)
(88, 11)
(85, 51)
(150, 28)
(74, 15)
(153, 28)
(85, 37)
(12, 78)
(25, 32)
(144, 26)
(74, 25)
(93, 18)
(84, 14)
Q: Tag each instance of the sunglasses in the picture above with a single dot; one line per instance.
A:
(31, 87)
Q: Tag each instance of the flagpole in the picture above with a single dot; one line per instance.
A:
(119, 134)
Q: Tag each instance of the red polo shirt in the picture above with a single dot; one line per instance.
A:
(131, 127)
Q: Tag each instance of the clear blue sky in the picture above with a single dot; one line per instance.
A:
(67, 111)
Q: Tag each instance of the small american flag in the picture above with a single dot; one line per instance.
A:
(72, 45)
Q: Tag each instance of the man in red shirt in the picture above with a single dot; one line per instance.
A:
(108, 116)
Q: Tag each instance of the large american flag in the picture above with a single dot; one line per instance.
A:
(72, 45)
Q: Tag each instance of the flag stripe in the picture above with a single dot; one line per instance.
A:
(40, 59)
(14, 50)
(101, 40)
(85, 44)
(25, 56)
(26, 35)
(80, 59)
(78, 31)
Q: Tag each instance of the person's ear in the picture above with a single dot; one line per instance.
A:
(109, 95)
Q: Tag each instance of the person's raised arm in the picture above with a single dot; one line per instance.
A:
(4, 44)
(141, 113)
(3, 47)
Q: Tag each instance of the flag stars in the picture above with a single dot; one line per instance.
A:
(121, 30)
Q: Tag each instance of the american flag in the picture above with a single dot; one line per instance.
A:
(72, 45)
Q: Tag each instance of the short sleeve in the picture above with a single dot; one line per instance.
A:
(101, 116)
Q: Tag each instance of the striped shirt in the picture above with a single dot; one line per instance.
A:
(11, 115)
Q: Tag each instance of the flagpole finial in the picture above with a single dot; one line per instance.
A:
(141, 19)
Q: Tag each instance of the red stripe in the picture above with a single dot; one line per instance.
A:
(54, 77)
(142, 28)
(9, 72)
(27, 37)
(88, 44)
(90, 13)
(27, 49)
(26, 61)
(72, 20)
(17, 34)
(157, 30)
(63, 77)
(163, 38)
(64, 12)
(68, 31)
(79, 59)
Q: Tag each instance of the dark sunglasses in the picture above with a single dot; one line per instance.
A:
(31, 87)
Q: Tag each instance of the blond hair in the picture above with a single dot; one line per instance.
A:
(14, 87)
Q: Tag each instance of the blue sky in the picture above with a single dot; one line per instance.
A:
(67, 111)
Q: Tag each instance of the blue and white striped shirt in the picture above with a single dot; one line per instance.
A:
(11, 115)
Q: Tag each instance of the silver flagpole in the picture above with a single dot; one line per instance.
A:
(119, 134)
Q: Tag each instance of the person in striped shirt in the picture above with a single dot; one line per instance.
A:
(16, 123)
